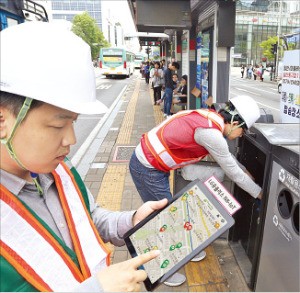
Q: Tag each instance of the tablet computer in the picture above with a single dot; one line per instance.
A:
(191, 221)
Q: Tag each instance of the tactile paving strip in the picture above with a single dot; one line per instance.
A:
(111, 190)
(158, 114)
(127, 125)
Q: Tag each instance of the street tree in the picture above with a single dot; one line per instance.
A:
(270, 47)
(85, 27)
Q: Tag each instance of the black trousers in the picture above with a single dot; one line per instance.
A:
(157, 93)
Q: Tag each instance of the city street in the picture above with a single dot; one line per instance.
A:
(265, 93)
(108, 91)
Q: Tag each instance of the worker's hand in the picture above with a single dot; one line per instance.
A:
(249, 174)
(124, 276)
(148, 208)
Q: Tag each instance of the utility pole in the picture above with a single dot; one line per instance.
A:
(278, 39)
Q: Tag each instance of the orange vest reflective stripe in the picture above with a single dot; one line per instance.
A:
(32, 250)
(171, 144)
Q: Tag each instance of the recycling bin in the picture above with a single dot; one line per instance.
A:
(278, 267)
(266, 150)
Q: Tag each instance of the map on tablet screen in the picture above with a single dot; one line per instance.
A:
(190, 222)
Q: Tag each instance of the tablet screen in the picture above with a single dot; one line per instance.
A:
(188, 221)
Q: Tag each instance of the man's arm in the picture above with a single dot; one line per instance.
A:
(213, 141)
(111, 225)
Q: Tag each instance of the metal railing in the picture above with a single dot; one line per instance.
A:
(37, 9)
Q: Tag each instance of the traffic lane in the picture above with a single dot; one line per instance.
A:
(83, 127)
(265, 94)
(266, 89)
(107, 91)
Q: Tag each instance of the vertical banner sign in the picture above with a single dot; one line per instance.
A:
(198, 48)
(205, 59)
(290, 92)
(185, 52)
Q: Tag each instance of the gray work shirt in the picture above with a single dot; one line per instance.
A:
(214, 142)
(110, 225)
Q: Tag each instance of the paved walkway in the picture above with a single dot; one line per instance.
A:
(236, 72)
(109, 180)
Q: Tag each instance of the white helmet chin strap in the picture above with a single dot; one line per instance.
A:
(232, 128)
(9, 146)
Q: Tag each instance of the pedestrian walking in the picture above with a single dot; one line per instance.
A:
(250, 71)
(186, 138)
(53, 233)
(242, 71)
(261, 75)
(147, 72)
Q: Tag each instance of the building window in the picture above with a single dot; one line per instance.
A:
(56, 5)
(74, 5)
(81, 6)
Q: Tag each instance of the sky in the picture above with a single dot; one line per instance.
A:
(119, 10)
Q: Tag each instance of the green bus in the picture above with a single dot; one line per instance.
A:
(138, 60)
(116, 62)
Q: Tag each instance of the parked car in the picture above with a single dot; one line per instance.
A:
(279, 85)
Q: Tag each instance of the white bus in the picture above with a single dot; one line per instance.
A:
(138, 60)
(116, 62)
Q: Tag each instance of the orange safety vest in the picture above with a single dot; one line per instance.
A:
(33, 251)
(171, 144)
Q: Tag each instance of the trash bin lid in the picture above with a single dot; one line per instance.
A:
(280, 133)
(293, 148)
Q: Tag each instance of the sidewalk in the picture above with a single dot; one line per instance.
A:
(110, 182)
(236, 72)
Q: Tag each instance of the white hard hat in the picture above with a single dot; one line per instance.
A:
(247, 109)
(41, 61)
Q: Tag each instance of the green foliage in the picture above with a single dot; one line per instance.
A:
(267, 47)
(292, 46)
(85, 27)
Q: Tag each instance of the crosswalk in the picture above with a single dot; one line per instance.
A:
(103, 86)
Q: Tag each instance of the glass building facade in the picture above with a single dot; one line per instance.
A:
(67, 9)
(258, 20)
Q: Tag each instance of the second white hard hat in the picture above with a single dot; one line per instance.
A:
(247, 109)
(51, 64)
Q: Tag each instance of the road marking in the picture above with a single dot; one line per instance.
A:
(255, 88)
(243, 90)
(103, 86)
(86, 144)
(268, 106)
(88, 117)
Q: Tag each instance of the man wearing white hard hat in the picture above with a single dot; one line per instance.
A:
(186, 138)
(52, 233)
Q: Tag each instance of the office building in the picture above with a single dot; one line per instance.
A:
(258, 20)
